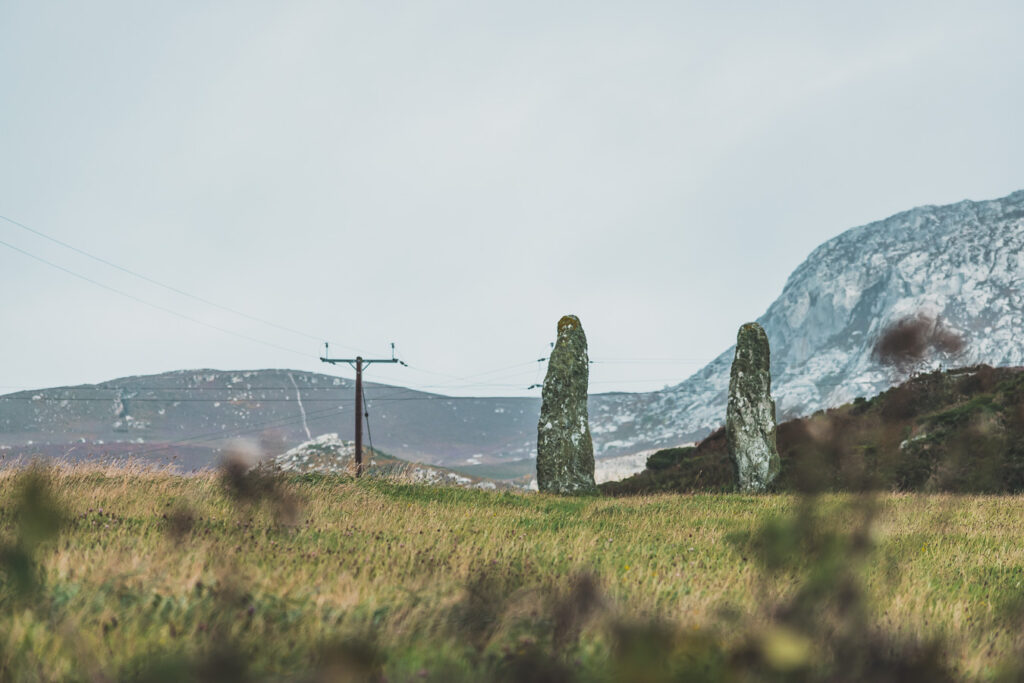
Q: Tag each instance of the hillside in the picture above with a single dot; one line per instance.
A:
(187, 417)
(957, 431)
(958, 268)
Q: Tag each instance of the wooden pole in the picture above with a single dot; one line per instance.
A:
(358, 363)
(359, 415)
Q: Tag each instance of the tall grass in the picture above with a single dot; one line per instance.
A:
(114, 574)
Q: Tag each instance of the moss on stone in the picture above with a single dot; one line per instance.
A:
(565, 450)
(750, 416)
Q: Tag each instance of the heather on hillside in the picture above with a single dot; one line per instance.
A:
(959, 431)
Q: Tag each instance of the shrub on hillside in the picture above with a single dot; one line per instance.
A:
(667, 457)
(960, 431)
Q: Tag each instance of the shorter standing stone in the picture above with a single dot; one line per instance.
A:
(750, 416)
(565, 451)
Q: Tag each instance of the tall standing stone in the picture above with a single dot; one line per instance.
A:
(565, 452)
(750, 417)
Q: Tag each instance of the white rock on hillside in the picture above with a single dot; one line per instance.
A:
(327, 453)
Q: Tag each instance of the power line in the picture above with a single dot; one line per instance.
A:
(170, 288)
(290, 350)
(234, 311)
(158, 283)
(475, 375)
(151, 304)
(204, 300)
(208, 302)
(366, 414)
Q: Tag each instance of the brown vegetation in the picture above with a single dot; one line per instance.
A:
(956, 431)
(914, 339)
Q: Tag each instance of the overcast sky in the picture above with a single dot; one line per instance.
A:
(454, 176)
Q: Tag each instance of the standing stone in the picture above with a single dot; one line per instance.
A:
(565, 452)
(750, 417)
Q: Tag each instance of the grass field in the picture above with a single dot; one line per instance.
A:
(132, 575)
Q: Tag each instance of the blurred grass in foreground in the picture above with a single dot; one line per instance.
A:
(136, 575)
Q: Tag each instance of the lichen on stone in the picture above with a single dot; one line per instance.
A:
(750, 416)
(565, 450)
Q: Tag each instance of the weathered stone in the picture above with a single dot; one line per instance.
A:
(750, 416)
(565, 452)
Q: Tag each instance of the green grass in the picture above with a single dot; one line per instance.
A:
(158, 577)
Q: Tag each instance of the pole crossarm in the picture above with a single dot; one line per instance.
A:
(359, 359)
(365, 361)
(358, 363)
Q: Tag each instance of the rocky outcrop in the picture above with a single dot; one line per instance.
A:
(960, 263)
(565, 451)
(750, 415)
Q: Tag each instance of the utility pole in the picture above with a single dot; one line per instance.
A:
(358, 363)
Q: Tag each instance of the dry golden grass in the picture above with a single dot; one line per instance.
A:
(154, 574)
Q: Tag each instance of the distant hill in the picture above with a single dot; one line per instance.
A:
(187, 417)
(960, 431)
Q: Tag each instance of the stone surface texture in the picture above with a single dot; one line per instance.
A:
(565, 451)
(750, 415)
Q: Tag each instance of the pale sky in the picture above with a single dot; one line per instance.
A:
(454, 176)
